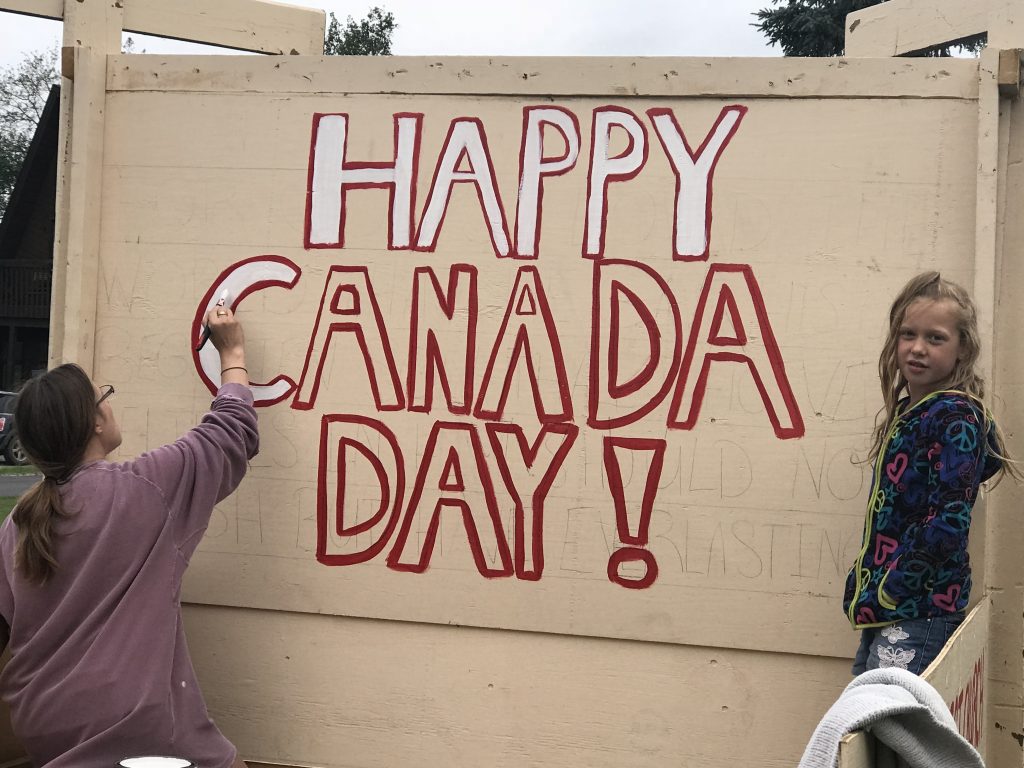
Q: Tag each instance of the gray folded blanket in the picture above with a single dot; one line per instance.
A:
(903, 712)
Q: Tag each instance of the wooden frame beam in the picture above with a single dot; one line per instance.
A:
(903, 27)
(261, 26)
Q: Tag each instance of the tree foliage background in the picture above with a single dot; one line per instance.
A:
(23, 92)
(818, 27)
(369, 37)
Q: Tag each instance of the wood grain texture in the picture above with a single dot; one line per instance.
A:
(260, 26)
(565, 76)
(901, 27)
(307, 690)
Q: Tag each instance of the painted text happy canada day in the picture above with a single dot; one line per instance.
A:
(730, 324)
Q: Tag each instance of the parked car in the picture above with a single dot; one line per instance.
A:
(10, 446)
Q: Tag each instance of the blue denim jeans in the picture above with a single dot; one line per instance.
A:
(912, 645)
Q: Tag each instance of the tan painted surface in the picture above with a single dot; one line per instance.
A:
(326, 691)
(900, 27)
(260, 26)
(716, 545)
(47, 9)
(906, 27)
(831, 203)
(959, 674)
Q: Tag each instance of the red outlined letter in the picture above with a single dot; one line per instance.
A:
(330, 176)
(241, 279)
(528, 331)
(533, 167)
(735, 291)
(604, 169)
(442, 328)
(526, 477)
(453, 460)
(691, 231)
(466, 138)
(377, 445)
(633, 516)
(349, 298)
(617, 284)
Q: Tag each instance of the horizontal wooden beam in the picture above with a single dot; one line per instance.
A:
(261, 26)
(776, 77)
(902, 27)
(44, 9)
(247, 25)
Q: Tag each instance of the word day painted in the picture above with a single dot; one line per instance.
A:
(647, 365)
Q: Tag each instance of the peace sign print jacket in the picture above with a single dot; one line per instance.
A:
(914, 562)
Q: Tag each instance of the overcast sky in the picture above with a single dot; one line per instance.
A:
(522, 28)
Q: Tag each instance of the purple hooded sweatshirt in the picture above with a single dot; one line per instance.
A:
(99, 666)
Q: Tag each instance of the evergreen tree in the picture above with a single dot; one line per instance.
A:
(369, 37)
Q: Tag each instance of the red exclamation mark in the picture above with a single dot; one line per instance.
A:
(639, 451)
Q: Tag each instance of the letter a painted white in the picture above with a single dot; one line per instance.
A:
(465, 137)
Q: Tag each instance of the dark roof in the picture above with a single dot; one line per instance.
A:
(35, 190)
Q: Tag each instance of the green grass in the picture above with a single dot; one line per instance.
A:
(6, 505)
(28, 469)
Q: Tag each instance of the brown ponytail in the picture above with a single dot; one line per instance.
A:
(56, 416)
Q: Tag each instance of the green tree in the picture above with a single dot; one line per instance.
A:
(818, 27)
(23, 92)
(369, 37)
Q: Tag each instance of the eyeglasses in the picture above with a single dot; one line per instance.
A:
(105, 391)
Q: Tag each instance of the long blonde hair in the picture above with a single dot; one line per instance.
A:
(964, 377)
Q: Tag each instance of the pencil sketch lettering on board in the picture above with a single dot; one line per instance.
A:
(509, 409)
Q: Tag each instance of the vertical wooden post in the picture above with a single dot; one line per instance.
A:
(92, 30)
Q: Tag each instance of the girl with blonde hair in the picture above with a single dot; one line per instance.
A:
(935, 444)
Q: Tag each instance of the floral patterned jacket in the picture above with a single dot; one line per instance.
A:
(913, 562)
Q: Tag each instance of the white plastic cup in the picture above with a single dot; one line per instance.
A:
(153, 761)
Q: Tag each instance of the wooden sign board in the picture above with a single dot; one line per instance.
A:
(587, 364)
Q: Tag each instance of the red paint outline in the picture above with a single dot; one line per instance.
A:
(350, 327)
(529, 453)
(363, 165)
(522, 342)
(609, 177)
(695, 158)
(615, 389)
(417, 245)
(321, 492)
(516, 253)
(433, 359)
(727, 303)
(200, 317)
(613, 472)
(595, 393)
(771, 349)
(472, 534)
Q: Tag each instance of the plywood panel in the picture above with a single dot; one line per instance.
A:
(317, 690)
(959, 675)
(821, 208)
